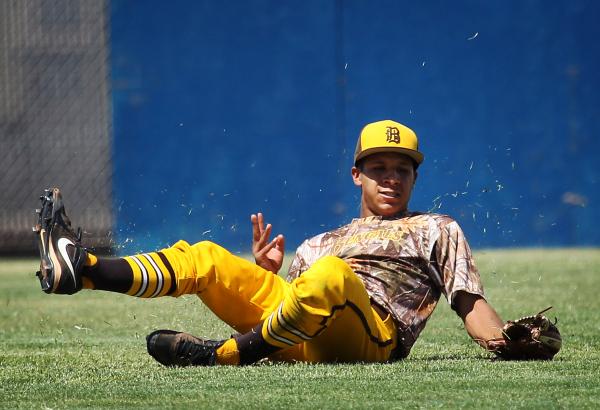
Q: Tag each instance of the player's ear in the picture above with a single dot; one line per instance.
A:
(356, 176)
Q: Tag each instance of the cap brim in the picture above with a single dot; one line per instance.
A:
(415, 155)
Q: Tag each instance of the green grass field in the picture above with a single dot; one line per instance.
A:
(88, 350)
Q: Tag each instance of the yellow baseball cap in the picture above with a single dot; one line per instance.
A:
(387, 136)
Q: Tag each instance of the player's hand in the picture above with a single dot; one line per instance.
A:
(267, 254)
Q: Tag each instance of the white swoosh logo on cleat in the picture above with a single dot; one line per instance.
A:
(62, 248)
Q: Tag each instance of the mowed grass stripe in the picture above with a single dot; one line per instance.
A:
(88, 350)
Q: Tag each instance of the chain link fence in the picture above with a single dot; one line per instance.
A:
(54, 116)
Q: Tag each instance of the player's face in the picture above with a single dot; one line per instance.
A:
(387, 180)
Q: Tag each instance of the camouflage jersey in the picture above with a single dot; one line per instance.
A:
(404, 262)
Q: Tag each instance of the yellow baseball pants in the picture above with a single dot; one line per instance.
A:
(325, 315)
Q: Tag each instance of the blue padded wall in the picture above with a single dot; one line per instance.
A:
(222, 109)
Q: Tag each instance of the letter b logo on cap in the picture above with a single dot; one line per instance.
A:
(393, 135)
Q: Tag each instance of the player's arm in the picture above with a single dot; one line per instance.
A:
(461, 283)
(481, 320)
(532, 337)
(268, 254)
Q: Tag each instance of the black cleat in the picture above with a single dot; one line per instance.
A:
(62, 256)
(172, 348)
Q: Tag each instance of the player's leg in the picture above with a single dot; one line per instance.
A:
(328, 317)
(324, 316)
(239, 292)
(348, 338)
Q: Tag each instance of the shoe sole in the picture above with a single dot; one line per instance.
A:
(50, 266)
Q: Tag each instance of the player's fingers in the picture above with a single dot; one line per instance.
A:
(280, 240)
(264, 237)
(255, 229)
(261, 222)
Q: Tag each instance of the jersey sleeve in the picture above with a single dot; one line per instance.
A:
(455, 263)
(298, 264)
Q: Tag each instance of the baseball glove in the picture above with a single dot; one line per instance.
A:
(529, 338)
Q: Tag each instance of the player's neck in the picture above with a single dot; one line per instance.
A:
(365, 213)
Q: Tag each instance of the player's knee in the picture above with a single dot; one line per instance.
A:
(331, 266)
(329, 274)
(207, 253)
(203, 245)
(206, 248)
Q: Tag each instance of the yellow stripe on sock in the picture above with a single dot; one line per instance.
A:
(154, 282)
(137, 276)
(152, 277)
(166, 275)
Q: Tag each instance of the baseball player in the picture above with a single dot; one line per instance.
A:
(359, 293)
